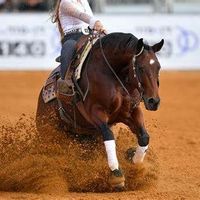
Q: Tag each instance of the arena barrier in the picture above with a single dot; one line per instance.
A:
(31, 42)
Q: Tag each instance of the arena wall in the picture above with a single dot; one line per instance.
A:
(31, 41)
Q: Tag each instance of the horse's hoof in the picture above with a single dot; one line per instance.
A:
(119, 187)
(117, 180)
(130, 154)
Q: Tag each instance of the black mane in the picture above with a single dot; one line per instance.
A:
(120, 41)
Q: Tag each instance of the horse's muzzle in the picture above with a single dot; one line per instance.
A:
(151, 103)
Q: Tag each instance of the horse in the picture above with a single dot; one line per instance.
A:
(120, 72)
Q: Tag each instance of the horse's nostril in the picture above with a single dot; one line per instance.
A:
(151, 101)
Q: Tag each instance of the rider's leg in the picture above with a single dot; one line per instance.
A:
(67, 52)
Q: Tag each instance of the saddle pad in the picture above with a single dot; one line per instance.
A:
(83, 58)
(49, 93)
(49, 89)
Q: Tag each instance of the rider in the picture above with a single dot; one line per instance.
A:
(72, 18)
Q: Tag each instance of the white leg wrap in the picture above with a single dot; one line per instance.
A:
(140, 154)
(111, 154)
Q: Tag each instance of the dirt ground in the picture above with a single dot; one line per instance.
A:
(174, 131)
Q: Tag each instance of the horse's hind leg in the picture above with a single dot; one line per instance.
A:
(116, 179)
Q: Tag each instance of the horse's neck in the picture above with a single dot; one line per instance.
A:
(123, 66)
(118, 60)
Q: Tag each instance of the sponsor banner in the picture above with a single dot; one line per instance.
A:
(181, 34)
(28, 41)
(31, 41)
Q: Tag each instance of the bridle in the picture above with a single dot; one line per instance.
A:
(136, 71)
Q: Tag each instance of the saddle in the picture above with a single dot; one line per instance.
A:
(83, 48)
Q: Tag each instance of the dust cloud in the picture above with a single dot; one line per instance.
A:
(56, 162)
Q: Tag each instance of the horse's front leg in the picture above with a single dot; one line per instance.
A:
(100, 118)
(136, 124)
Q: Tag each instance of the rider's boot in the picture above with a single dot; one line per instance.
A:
(65, 86)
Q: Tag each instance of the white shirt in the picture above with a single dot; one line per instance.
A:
(75, 14)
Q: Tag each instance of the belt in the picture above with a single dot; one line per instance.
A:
(85, 31)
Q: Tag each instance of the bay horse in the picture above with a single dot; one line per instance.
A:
(120, 72)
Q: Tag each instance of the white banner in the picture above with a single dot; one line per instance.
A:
(31, 42)
(180, 32)
(28, 42)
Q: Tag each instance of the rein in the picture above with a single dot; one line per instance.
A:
(135, 69)
(110, 67)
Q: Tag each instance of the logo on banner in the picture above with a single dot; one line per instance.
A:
(179, 41)
(22, 48)
(187, 41)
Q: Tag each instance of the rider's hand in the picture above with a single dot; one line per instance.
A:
(98, 26)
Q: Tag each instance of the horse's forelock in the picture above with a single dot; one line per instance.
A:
(147, 47)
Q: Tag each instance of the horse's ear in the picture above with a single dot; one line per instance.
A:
(140, 46)
(157, 47)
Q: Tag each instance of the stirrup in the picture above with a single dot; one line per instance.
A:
(65, 87)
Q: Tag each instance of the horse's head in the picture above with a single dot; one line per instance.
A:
(147, 69)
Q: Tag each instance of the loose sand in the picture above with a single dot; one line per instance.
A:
(32, 167)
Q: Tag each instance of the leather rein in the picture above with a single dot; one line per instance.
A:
(135, 71)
